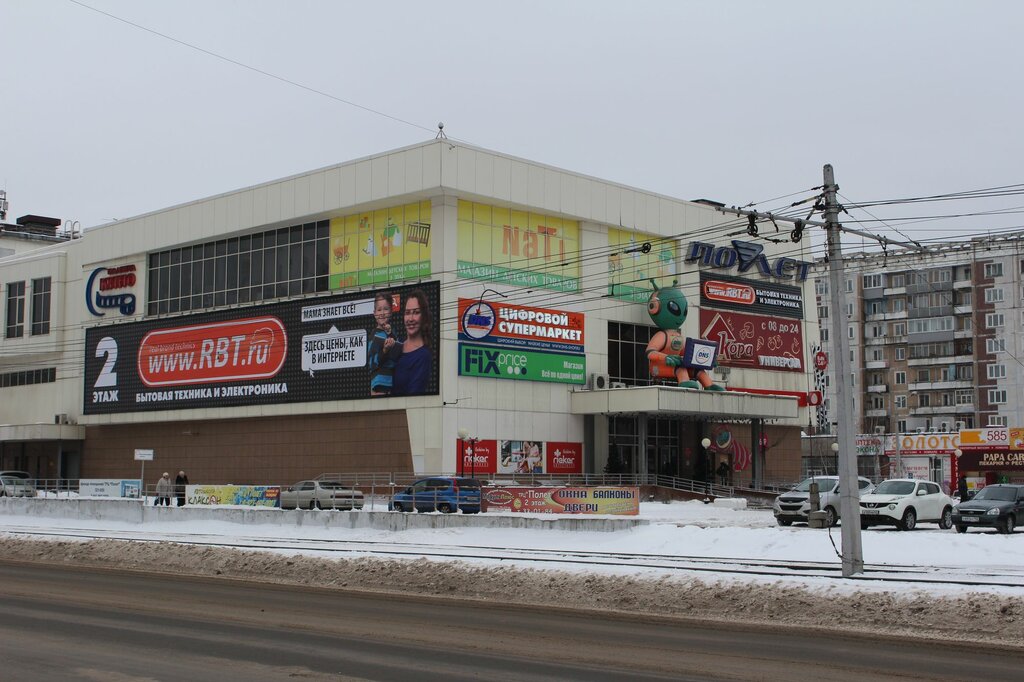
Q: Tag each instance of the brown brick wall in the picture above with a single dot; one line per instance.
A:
(264, 450)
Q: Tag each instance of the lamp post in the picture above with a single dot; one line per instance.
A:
(835, 450)
(463, 436)
(705, 443)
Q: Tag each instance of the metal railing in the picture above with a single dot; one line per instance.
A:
(379, 488)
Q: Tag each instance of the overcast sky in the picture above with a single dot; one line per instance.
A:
(733, 101)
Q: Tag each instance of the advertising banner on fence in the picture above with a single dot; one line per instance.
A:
(563, 500)
(109, 487)
(754, 341)
(520, 326)
(246, 495)
(315, 349)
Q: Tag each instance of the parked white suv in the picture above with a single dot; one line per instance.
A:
(903, 502)
(795, 505)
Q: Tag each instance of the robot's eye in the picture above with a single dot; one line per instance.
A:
(673, 307)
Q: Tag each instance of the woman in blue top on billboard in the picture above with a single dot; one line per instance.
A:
(412, 371)
(384, 348)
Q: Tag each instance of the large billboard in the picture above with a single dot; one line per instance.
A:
(747, 295)
(754, 341)
(533, 250)
(380, 246)
(315, 349)
(634, 259)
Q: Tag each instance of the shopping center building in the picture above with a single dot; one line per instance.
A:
(392, 313)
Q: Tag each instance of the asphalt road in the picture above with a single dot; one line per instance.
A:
(66, 623)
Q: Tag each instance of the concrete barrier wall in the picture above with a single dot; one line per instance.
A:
(133, 511)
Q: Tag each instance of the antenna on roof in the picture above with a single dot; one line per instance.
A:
(3, 204)
(440, 132)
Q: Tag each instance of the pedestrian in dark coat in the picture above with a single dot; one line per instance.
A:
(180, 481)
(961, 489)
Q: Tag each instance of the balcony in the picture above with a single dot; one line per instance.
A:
(940, 385)
(944, 360)
(876, 364)
(900, 315)
(933, 410)
(894, 291)
(878, 388)
(876, 414)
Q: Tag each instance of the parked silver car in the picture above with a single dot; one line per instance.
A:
(17, 484)
(795, 505)
(320, 495)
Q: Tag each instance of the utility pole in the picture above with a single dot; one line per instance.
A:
(849, 492)
(849, 496)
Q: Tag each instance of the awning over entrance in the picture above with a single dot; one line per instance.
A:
(669, 400)
(14, 433)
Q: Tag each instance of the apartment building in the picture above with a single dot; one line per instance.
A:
(934, 340)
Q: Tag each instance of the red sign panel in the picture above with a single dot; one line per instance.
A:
(252, 348)
(754, 341)
(564, 458)
(728, 292)
(477, 456)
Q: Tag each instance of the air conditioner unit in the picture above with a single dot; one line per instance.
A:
(60, 419)
(598, 381)
(618, 384)
(879, 430)
(920, 429)
(943, 427)
(960, 426)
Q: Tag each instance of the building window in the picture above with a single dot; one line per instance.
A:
(924, 400)
(824, 334)
(28, 377)
(40, 306)
(993, 320)
(993, 269)
(900, 401)
(877, 403)
(289, 261)
(994, 295)
(849, 332)
(964, 396)
(898, 304)
(872, 281)
(822, 312)
(996, 420)
(627, 353)
(849, 310)
(923, 376)
(996, 371)
(965, 372)
(996, 396)
(901, 378)
(15, 310)
(821, 287)
(899, 329)
(966, 324)
(897, 281)
(901, 353)
(849, 286)
(931, 324)
(901, 426)
(995, 345)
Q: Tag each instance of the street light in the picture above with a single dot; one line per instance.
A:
(705, 443)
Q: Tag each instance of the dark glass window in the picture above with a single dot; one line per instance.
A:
(40, 306)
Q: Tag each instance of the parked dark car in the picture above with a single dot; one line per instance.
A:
(445, 494)
(1000, 505)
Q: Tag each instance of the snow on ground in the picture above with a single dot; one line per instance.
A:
(685, 529)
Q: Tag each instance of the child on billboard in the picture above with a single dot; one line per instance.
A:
(384, 348)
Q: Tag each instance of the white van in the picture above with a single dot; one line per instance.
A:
(795, 505)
